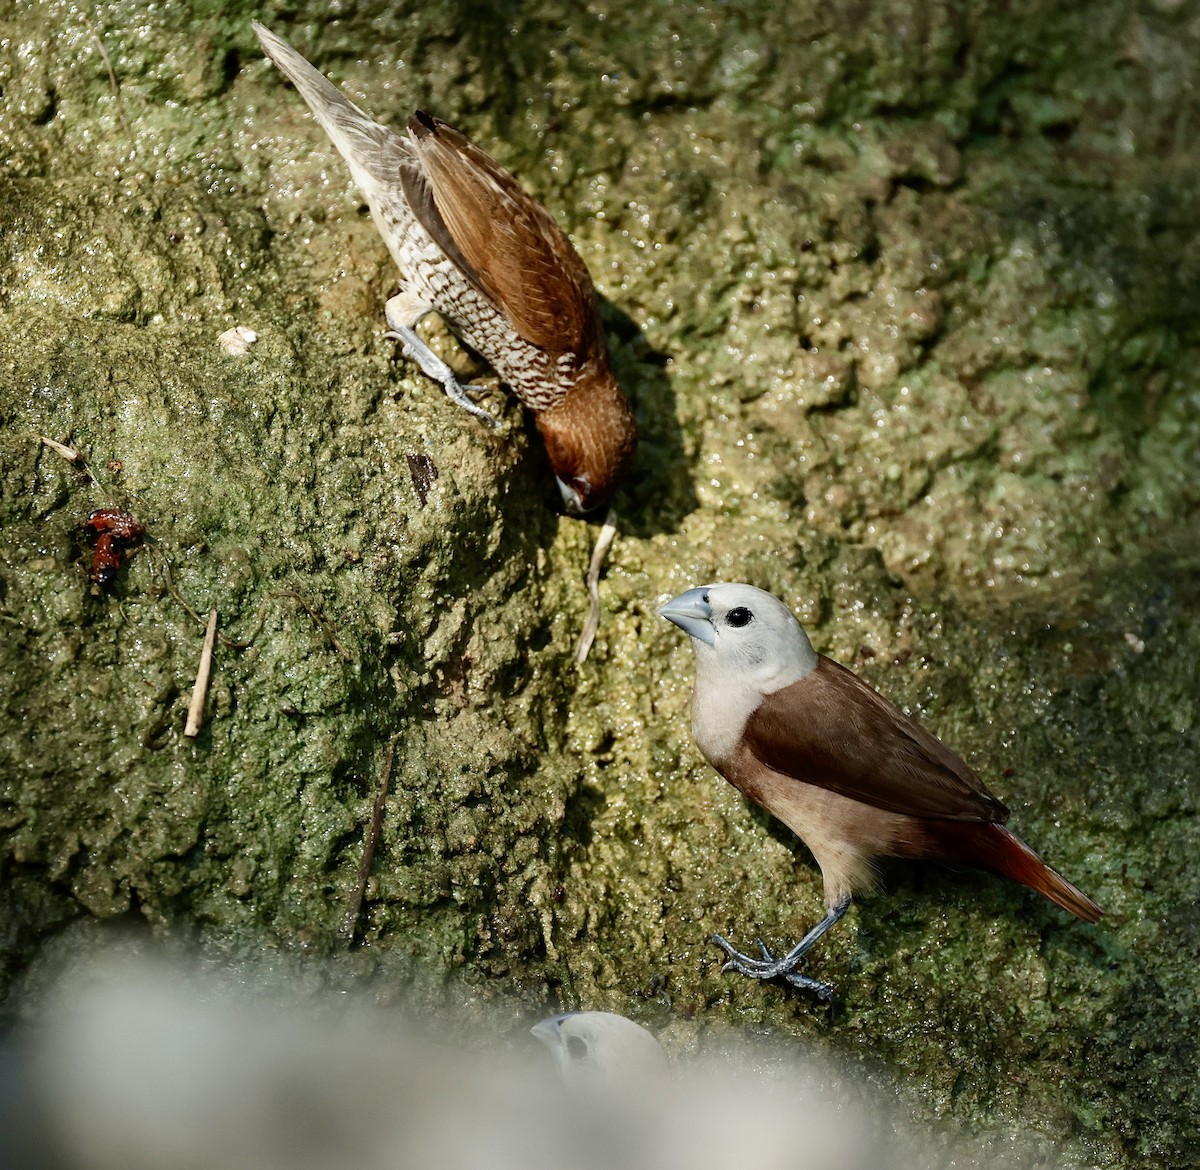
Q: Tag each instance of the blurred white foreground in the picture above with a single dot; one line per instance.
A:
(138, 1064)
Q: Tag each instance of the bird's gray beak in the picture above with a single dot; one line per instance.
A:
(547, 1032)
(691, 612)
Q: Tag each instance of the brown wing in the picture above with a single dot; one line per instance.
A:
(505, 241)
(833, 730)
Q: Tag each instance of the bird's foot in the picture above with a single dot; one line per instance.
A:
(431, 365)
(768, 967)
(458, 393)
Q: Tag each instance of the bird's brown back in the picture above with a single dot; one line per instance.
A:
(833, 730)
(504, 240)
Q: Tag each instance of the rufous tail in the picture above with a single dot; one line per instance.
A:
(992, 846)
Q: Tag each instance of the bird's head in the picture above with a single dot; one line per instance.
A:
(600, 1046)
(590, 437)
(744, 633)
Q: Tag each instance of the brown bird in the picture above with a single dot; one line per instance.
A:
(850, 774)
(476, 247)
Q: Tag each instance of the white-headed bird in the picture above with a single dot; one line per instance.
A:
(849, 773)
(590, 1046)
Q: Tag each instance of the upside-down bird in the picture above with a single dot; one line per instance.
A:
(476, 247)
(849, 773)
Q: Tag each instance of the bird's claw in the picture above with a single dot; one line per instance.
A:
(819, 988)
(485, 417)
(437, 369)
(768, 967)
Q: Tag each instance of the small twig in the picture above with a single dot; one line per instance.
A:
(325, 626)
(260, 617)
(68, 453)
(604, 541)
(168, 581)
(195, 716)
(112, 81)
(71, 454)
(229, 643)
(370, 841)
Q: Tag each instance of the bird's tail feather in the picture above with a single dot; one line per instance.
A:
(992, 846)
(372, 150)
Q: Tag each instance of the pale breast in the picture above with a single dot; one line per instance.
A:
(537, 378)
(843, 835)
(720, 708)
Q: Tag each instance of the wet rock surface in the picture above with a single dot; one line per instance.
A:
(906, 298)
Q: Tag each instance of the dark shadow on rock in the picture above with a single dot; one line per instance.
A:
(583, 808)
(660, 491)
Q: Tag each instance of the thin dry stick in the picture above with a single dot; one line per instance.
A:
(323, 624)
(112, 81)
(195, 717)
(370, 841)
(169, 581)
(603, 543)
(261, 617)
(68, 453)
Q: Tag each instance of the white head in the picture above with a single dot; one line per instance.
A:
(745, 633)
(600, 1046)
(747, 645)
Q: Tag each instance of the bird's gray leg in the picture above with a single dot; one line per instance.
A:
(768, 967)
(403, 312)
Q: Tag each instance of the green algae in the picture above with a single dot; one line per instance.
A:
(905, 295)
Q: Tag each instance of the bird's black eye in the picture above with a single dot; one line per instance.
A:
(739, 616)
(577, 1048)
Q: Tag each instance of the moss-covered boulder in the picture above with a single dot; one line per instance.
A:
(906, 295)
